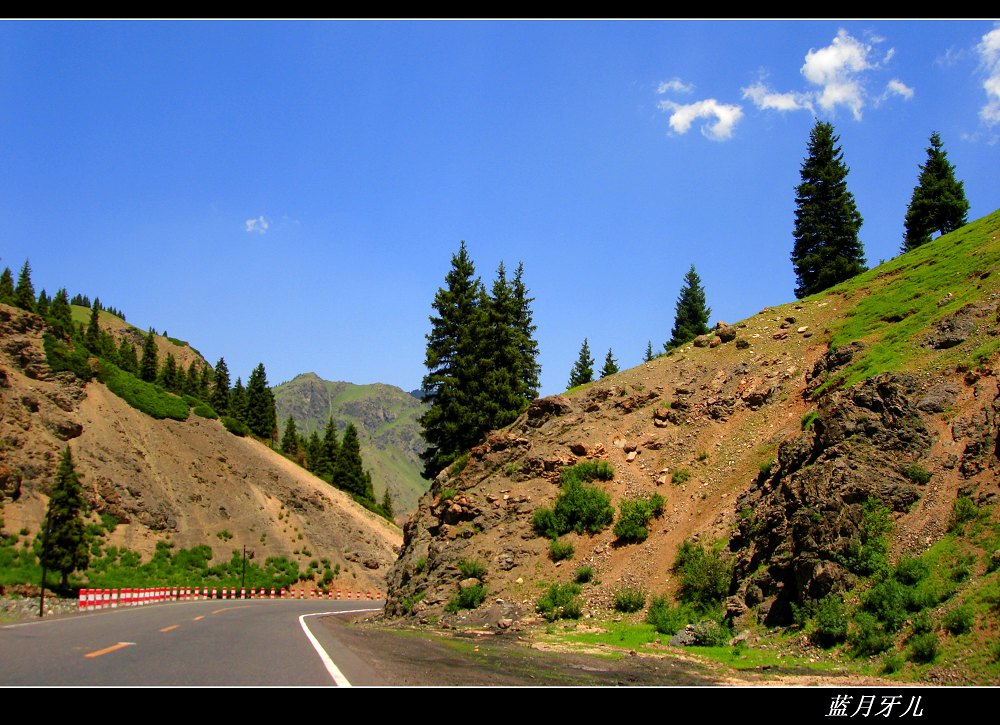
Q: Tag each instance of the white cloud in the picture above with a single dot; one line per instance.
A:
(259, 225)
(683, 115)
(950, 57)
(897, 87)
(764, 97)
(989, 57)
(836, 69)
(676, 85)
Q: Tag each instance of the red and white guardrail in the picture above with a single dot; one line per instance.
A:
(91, 600)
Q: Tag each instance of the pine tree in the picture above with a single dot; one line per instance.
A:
(500, 356)
(691, 316)
(24, 293)
(191, 378)
(128, 360)
(348, 472)
(93, 337)
(205, 382)
(168, 374)
(149, 365)
(42, 306)
(529, 370)
(7, 286)
(454, 422)
(262, 419)
(220, 391)
(290, 438)
(64, 545)
(648, 355)
(938, 203)
(238, 406)
(60, 315)
(387, 505)
(610, 365)
(827, 250)
(583, 369)
(314, 447)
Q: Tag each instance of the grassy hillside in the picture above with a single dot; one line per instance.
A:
(386, 419)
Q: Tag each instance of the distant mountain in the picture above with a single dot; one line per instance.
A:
(386, 418)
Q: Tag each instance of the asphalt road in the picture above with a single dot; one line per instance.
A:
(210, 643)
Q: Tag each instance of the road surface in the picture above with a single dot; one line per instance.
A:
(207, 643)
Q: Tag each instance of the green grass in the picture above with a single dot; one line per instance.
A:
(895, 305)
(149, 398)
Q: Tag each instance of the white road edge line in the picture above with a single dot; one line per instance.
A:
(335, 673)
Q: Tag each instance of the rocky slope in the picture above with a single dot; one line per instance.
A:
(777, 464)
(386, 419)
(190, 482)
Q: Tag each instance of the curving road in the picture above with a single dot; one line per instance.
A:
(210, 643)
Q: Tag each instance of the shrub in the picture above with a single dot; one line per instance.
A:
(922, 623)
(466, 598)
(705, 575)
(869, 553)
(959, 620)
(561, 601)
(868, 637)
(712, 634)
(831, 621)
(151, 399)
(583, 575)
(667, 618)
(204, 410)
(419, 565)
(459, 464)
(545, 523)
(448, 493)
(635, 515)
(411, 601)
(236, 427)
(891, 663)
(61, 356)
(961, 511)
(702, 456)
(809, 419)
(910, 571)
(680, 476)
(629, 599)
(917, 473)
(587, 471)
(887, 600)
(579, 507)
(924, 647)
(559, 550)
(225, 534)
(472, 568)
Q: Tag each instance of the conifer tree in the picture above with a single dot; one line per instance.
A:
(938, 203)
(220, 390)
(149, 365)
(329, 449)
(610, 365)
(454, 421)
(648, 355)
(7, 286)
(205, 382)
(290, 438)
(24, 293)
(529, 370)
(64, 545)
(190, 385)
(42, 306)
(501, 356)
(387, 505)
(238, 407)
(60, 315)
(92, 339)
(827, 250)
(168, 374)
(128, 360)
(691, 316)
(262, 419)
(348, 472)
(314, 447)
(583, 369)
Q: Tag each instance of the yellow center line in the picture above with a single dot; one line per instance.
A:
(106, 650)
(198, 618)
(230, 609)
(170, 628)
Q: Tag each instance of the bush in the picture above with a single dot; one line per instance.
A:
(459, 464)
(545, 523)
(559, 550)
(579, 507)
(236, 427)
(910, 571)
(869, 553)
(887, 600)
(868, 637)
(922, 623)
(924, 647)
(629, 599)
(561, 601)
(151, 399)
(667, 618)
(583, 575)
(705, 575)
(891, 663)
(917, 473)
(466, 598)
(809, 419)
(472, 568)
(635, 515)
(712, 634)
(959, 620)
(831, 621)
(587, 471)
(680, 476)
(962, 510)
(204, 410)
(61, 356)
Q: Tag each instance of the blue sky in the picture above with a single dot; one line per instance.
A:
(291, 192)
